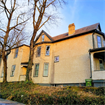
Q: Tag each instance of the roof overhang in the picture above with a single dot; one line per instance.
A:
(100, 55)
(96, 49)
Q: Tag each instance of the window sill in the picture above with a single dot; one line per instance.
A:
(37, 56)
(56, 61)
(35, 76)
(47, 55)
(15, 57)
(12, 76)
(99, 70)
(45, 76)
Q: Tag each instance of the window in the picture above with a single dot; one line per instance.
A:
(99, 41)
(36, 70)
(101, 64)
(7, 57)
(45, 73)
(47, 50)
(38, 51)
(2, 74)
(42, 38)
(104, 43)
(56, 59)
(16, 53)
(13, 70)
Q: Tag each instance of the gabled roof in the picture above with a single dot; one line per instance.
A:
(78, 32)
(45, 34)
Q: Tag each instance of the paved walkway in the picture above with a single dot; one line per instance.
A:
(8, 102)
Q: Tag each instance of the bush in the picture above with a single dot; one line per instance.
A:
(20, 91)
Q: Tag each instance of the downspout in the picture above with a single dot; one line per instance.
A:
(90, 65)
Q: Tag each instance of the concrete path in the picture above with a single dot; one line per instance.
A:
(8, 102)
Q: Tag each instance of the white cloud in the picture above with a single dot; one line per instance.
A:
(74, 8)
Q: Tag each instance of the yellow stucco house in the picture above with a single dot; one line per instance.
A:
(16, 64)
(66, 59)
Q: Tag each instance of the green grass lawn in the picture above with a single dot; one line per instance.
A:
(31, 94)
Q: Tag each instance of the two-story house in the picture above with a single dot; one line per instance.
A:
(16, 64)
(70, 58)
(66, 59)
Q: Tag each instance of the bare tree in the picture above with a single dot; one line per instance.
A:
(12, 23)
(41, 16)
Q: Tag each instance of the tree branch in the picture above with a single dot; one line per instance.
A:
(50, 3)
(44, 22)
(2, 30)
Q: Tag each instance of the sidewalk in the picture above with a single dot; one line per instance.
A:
(8, 102)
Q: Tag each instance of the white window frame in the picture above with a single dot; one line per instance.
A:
(36, 70)
(13, 70)
(47, 52)
(45, 70)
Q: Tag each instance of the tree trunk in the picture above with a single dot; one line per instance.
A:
(5, 67)
(31, 56)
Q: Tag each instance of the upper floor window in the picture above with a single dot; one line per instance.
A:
(36, 70)
(42, 38)
(16, 53)
(39, 51)
(56, 59)
(47, 50)
(99, 43)
(13, 70)
(45, 73)
(104, 43)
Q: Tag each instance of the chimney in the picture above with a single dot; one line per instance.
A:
(71, 29)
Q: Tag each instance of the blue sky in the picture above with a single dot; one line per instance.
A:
(80, 12)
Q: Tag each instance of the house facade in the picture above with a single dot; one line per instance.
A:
(67, 59)
(16, 64)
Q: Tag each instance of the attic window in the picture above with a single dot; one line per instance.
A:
(42, 38)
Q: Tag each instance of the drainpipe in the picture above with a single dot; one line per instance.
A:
(90, 65)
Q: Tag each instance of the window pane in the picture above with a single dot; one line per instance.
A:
(45, 73)
(47, 50)
(38, 51)
(57, 59)
(104, 43)
(13, 70)
(36, 70)
(16, 53)
(101, 65)
(99, 41)
(42, 37)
